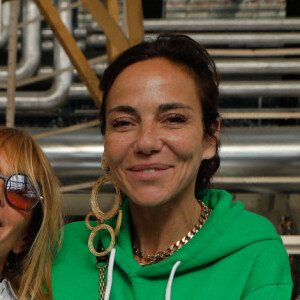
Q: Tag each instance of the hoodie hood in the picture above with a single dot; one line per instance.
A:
(228, 229)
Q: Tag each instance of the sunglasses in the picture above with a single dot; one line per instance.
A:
(20, 192)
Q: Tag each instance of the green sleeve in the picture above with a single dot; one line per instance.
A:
(271, 292)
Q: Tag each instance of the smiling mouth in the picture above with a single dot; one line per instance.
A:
(148, 171)
(151, 168)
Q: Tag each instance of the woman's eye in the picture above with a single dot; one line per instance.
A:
(120, 123)
(176, 118)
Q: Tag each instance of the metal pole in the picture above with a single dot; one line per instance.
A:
(0, 17)
(12, 62)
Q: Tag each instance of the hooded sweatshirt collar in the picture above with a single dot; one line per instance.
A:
(222, 234)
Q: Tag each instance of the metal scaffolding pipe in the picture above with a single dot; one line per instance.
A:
(257, 89)
(191, 25)
(31, 52)
(259, 66)
(232, 39)
(269, 154)
(5, 17)
(221, 25)
(58, 92)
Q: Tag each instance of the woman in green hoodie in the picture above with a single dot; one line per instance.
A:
(167, 236)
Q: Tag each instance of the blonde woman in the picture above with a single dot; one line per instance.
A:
(30, 217)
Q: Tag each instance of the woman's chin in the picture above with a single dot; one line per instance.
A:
(149, 199)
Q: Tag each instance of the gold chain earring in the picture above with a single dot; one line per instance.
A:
(103, 216)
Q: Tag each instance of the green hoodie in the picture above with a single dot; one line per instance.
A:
(236, 255)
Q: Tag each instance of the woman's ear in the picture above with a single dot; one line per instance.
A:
(22, 243)
(217, 127)
(211, 143)
(103, 156)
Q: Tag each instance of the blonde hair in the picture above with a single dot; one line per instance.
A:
(25, 155)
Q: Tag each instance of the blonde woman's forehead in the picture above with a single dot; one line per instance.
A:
(4, 164)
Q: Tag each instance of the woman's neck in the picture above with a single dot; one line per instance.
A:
(2, 264)
(156, 228)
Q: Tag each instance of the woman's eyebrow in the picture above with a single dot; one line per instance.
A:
(123, 108)
(170, 106)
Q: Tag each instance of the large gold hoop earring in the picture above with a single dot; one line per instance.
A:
(94, 203)
(87, 221)
(93, 235)
(103, 216)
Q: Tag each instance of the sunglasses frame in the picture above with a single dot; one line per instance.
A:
(6, 180)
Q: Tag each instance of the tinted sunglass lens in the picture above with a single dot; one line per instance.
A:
(21, 192)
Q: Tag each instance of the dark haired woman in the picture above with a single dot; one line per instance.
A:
(177, 239)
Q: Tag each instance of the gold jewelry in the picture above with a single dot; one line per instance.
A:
(104, 165)
(161, 255)
(94, 203)
(87, 221)
(101, 216)
(101, 280)
(94, 233)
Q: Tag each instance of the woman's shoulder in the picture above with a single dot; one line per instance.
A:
(6, 292)
(271, 268)
(74, 239)
(79, 226)
(74, 246)
(74, 263)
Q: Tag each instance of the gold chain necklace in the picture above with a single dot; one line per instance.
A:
(161, 255)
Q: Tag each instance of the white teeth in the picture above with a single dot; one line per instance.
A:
(148, 171)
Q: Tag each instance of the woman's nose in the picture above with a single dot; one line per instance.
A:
(148, 140)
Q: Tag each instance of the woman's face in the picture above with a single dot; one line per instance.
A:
(13, 222)
(154, 140)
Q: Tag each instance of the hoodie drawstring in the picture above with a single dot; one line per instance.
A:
(110, 276)
(170, 281)
(110, 273)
